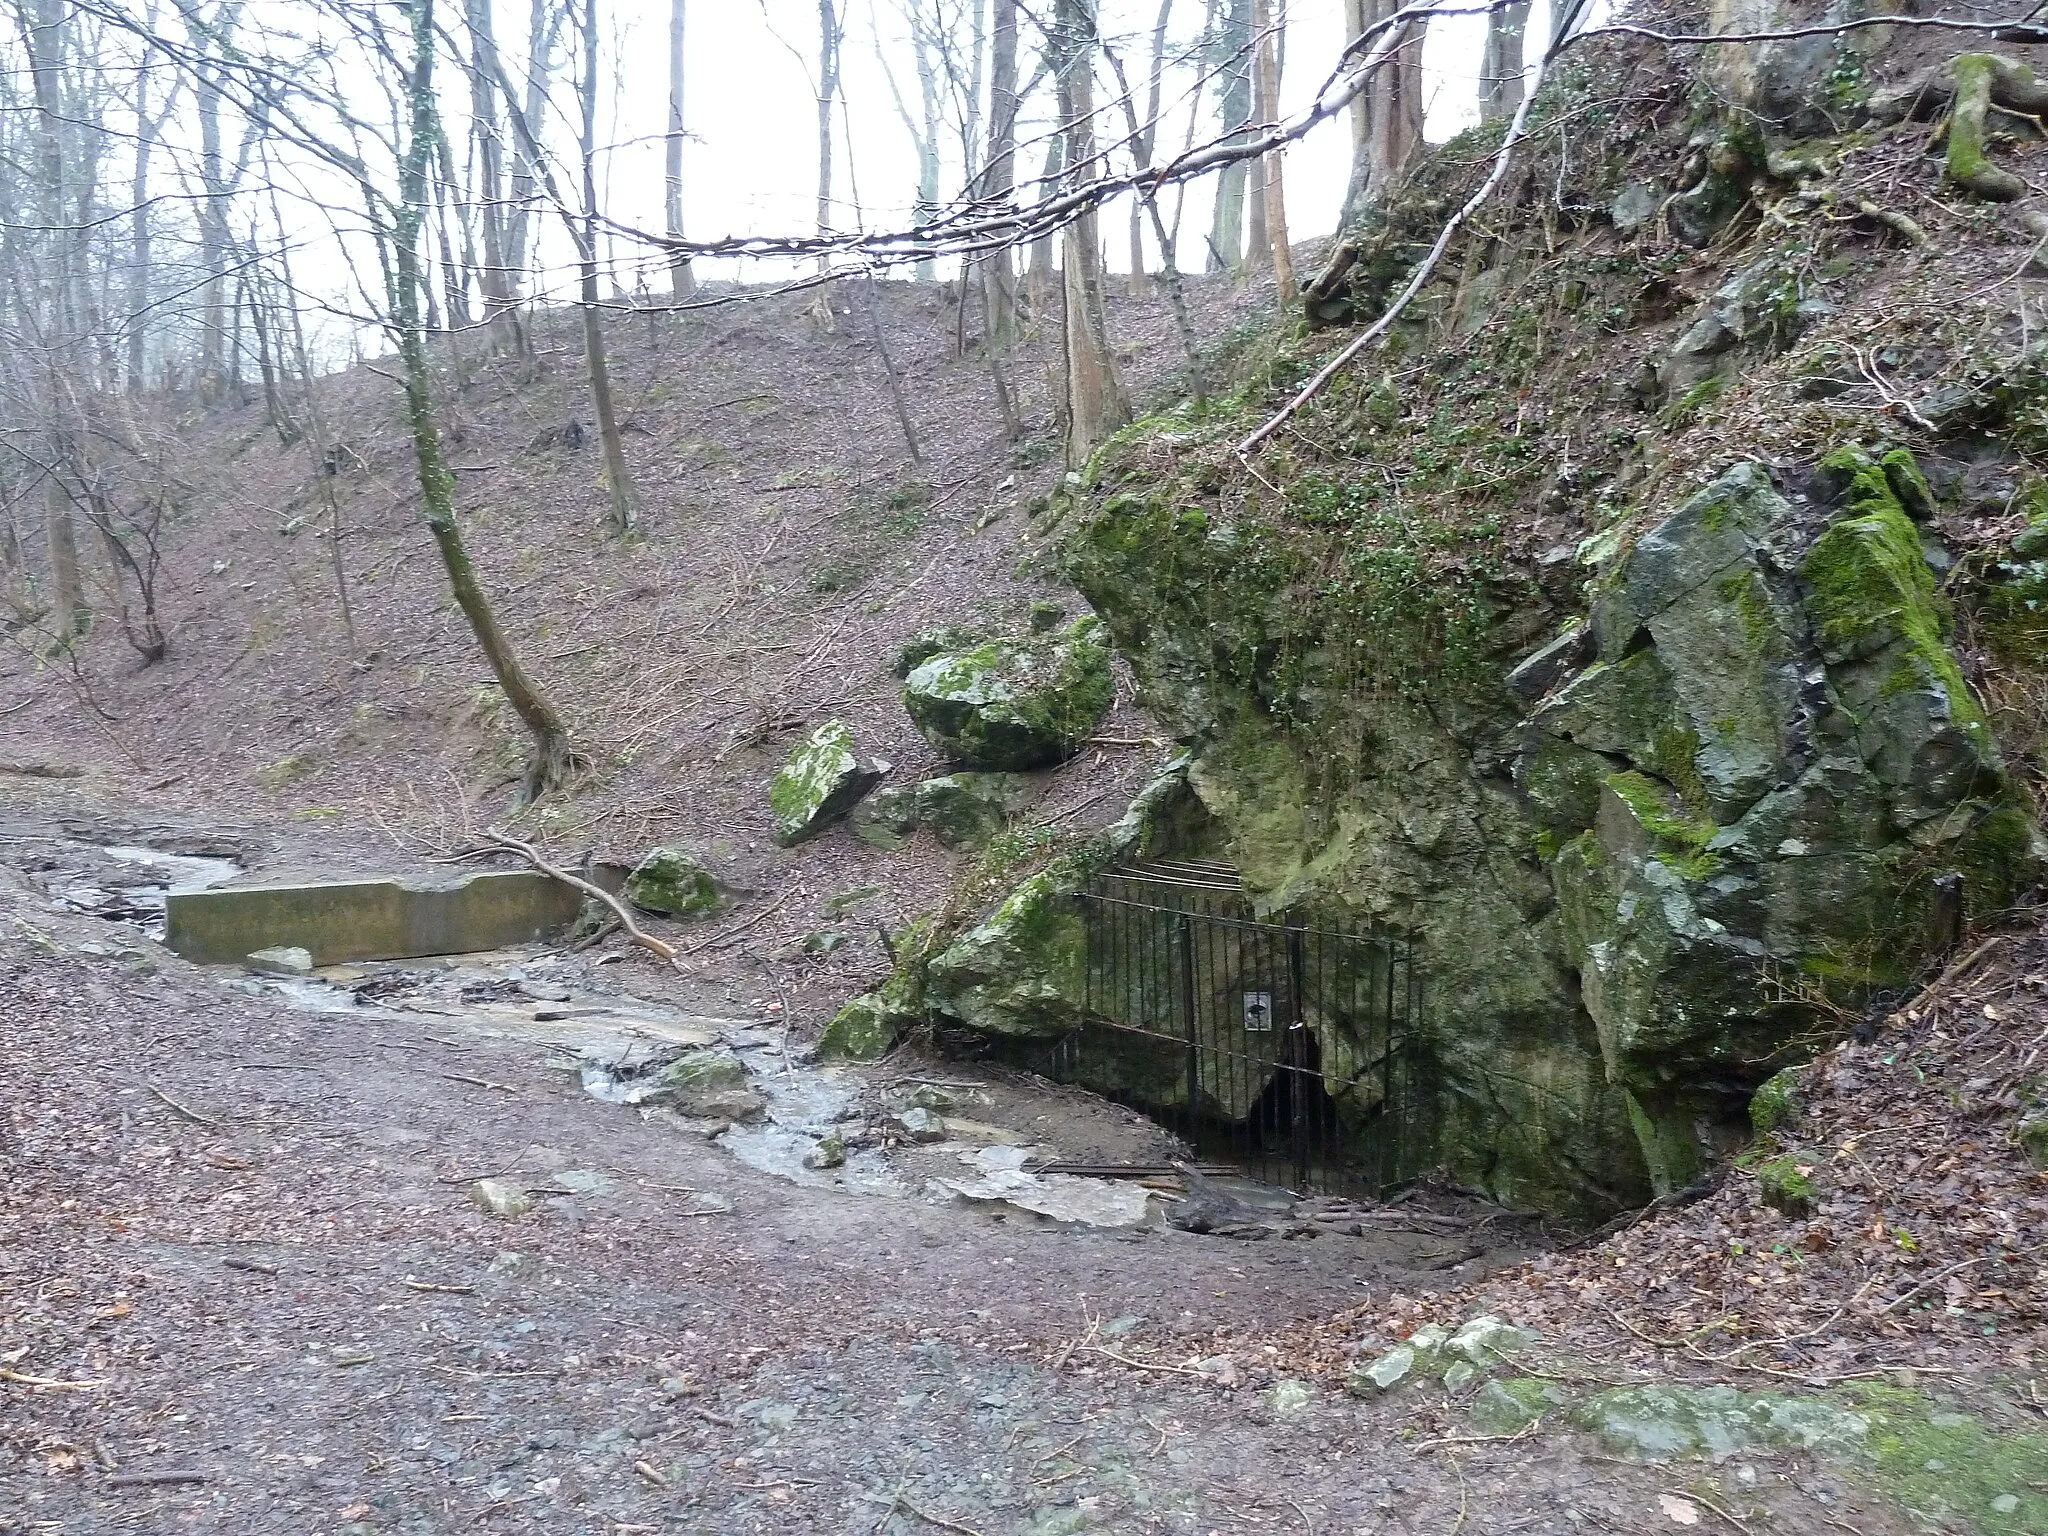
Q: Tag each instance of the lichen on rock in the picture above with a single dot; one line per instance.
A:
(1013, 705)
(823, 780)
(671, 883)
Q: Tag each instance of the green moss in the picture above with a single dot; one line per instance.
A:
(669, 882)
(1952, 1467)
(1870, 587)
(1787, 1185)
(1653, 810)
(1776, 1103)
(286, 770)
(1969, 162)
(1908, 484)
(1693, 401)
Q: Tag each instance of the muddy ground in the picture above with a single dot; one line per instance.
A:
(244, 1288)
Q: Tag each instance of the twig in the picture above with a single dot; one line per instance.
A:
(736, 931)
(1738, 1521)
(22, 1380)
(478, 1082)
(1145, 1365)
(249, 1266)
(903, 1501)
(180, 1110)
(1527, 1429)
(634, 931)
(1307, 1524)
(154, 1479)
(440, 1290)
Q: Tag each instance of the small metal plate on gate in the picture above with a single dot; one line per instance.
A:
(1258, 1011)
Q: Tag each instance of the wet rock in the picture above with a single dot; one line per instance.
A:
(706, 1084)
(1509, 1406)
(1776, 1103)
(919, 1125)
(282, 960)
(494, 1197)
(867, 1027)
(1013, 705)
(671, 883)
(823, 780)
(1670, 1423)
(887, 818)
(830, 1152)
(965, 810)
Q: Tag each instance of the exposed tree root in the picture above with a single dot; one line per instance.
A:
(1969, 86)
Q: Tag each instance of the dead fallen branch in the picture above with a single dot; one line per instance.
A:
(634, 931)
(180, 1110)
(718, 939)
(155, 1479)
(47, 1383)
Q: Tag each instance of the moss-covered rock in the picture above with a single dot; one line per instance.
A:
(1776, 1104)
(887, 818)
(823, 780)
(671, 883)
(1017, 973)
(965, 810)
(1013, 705)
(866, 1029)
(1670, 1423)
(1789, 1184)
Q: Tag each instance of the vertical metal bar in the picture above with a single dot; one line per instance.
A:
(1188, 1018)
(1393, 1115)
(1296, 1054)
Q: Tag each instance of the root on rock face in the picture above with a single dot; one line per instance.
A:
(1970, 85)
(1969, 166)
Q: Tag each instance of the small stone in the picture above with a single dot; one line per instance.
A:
(1384, 1374)
(920, 1125)
(830, 1152)
(1460, 1375)
(494, 1197)
(2005, 1503)
(282, 960)
(1511, 1406)
(1289, 1398)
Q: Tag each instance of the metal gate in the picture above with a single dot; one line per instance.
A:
(1286, 1048)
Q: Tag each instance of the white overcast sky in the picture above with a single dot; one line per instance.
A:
(751, 165)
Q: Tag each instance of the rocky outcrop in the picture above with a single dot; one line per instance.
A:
(823, 780)
(1648, 851)
(1012, 705)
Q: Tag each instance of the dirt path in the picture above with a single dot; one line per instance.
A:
(242, 1238)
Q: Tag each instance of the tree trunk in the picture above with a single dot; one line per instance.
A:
(682, 279)
(999, 190)
(1386, 117)
(1271, 30)
(543, 30)
(501, 314)
(1096, 405)
(1500, 68)
(1234, 108)
(47, 42)
(1038, 275)
(830, 30)
(549, 759)
(139, 253)
(625, 512)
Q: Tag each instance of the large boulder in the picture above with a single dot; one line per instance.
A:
(965, 810)
(823, 780)
(671, 883)
(1012, 705)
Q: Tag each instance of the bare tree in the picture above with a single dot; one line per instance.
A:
(682, 280)
(625, 511)
(1095, 402)
(831, 34)
(1500, 69)
(1386, 116)
(1232, 47)
(1271, 27)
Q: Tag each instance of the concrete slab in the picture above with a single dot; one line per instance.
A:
(344, 920)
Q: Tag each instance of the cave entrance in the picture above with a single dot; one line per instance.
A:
(1287, 1047)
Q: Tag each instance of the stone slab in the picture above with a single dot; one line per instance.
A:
(337, 921)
